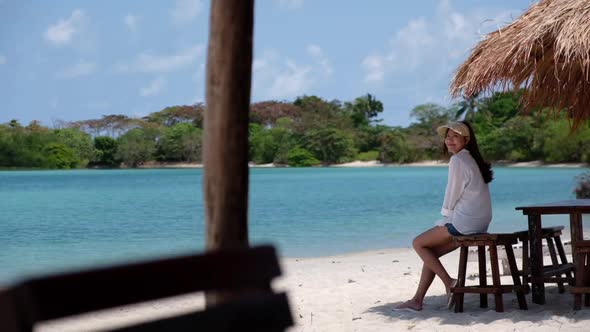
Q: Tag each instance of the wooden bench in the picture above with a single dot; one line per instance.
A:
(551, 273)
(582, 283)
(491, 241)
(247, 271)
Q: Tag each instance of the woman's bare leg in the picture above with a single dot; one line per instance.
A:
(430, 245)
(425, 244)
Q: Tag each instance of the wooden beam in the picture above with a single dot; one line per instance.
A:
(225, 153)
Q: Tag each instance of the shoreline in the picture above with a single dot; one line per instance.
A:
(357, 292)
(376, 163)
(353, 164)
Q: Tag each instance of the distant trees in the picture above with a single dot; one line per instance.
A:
(136, 147)
(181, 142)
(170, 116)
(363, 110)
(330, 145)
(306, 132)
(106, 150)
(79, 143)
(395, 148)
(36, 146)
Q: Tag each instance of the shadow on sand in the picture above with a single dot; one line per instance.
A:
(560, 305)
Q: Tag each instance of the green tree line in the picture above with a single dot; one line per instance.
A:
(306, 132)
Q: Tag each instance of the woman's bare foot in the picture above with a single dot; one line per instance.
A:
(451, 296)
(410, 304)
(453, 283)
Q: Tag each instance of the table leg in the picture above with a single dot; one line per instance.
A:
(577, 233)
(536, 259)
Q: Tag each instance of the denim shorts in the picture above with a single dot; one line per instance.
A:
(452, 230)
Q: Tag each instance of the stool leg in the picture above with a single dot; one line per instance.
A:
(459, 296)
(563, 258)
(515, 277)
(481, 254)
(580, 266)
(555, 262)
(525, 262)
(496, 277)
(587, 280)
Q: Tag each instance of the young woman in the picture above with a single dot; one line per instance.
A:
(467, 208)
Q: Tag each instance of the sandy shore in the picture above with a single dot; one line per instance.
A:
(376, 163)
(357, 292)
(371, 163)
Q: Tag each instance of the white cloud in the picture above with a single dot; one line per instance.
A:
(428, 48)
(154, 88)
(415, 34)
(275, 77)
(62, 32)
(316, 52)
(375, 66)
(131, 22)
(291, 82)
(77, 70)
(150, 63)
(185, 11)
(3, 60)
(290, 4)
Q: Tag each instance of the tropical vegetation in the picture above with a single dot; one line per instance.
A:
(308, 131)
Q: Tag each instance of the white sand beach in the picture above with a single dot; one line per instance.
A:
(358, 163)
(370, 163)
(357, 292)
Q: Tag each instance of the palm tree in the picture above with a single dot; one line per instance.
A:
(467, 107)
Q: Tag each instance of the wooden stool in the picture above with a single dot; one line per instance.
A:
(551, 273)
(582, 283)
(492, 241)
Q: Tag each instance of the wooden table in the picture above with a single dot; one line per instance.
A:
(575, 208)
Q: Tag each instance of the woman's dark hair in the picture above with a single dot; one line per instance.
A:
(485, 168)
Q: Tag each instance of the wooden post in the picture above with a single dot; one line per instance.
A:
(225, 153)
(536, 259)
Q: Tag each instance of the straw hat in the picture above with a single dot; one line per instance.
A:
(458, 127)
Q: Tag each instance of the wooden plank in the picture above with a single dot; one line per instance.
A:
(562, 207)
(264, 312)
(554, 280)
(486, 239)
(546, 231)
(9, 310)
(504, 289)
(549, 270)
(579, 290)
(74, 293)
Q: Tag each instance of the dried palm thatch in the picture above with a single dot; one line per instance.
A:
(546, 51)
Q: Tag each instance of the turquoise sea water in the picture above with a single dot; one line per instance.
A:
(55, 220)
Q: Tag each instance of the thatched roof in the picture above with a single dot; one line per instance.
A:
(546, 51)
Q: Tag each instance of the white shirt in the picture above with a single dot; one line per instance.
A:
(467, 204)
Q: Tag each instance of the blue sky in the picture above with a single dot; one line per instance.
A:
(74, 60)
